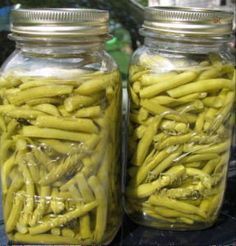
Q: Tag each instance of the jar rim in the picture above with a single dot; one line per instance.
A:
(59, 22)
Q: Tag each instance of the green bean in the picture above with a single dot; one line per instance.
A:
(136, 87)
(223, 160)
(175, 140)
(2, 124)
(15, 213)
(89, 112)
(32, 166)
(210, 73)
(194, 172)
(67, 166)
(46, 100)
(41, 207)
(56, 231)
(134, 96)
(200, 157)
(150, 79)
(43, 159)
(30, 192)
(166, 100)
(180, 206)
(58, 146)
(216, 148)
(45, 81)
(94, 85)
(77, 101)
(87, 196)
(223, 112)
(170, 213)
(83, 125)
(57, 205)
(63, 219)
(84, 188)
(5, 170)
(48, 109)
(166, 163)
(9, 81)
(44, 238)
(39, 92)
(210, 166)
(167, 112)
(173, 82)
(145, 190)
(66, 232)
(145, 142)
(156, 215)
(208, 206)
(201, 86)
(200, 122)
(193, 164)
(36, 132)
(191, 191)
(105, 168)
(4, 150)
(194, 106)
(101, 211)
(90, 164)
(11, 194)
(214, 101)
(137, 75)
(17, 113)
(140, 131)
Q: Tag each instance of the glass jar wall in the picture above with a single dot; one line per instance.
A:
(182, 89)
(60, 120)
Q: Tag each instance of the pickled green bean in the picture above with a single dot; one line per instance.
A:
(39, 92)
(89, 112)
(178, 205)
(145, 190)
(145, 142)
(173, 82)
(48, 109)
(201, 86)
(67, 166)
(65, 218)
(44, 238)
(15, 213)
(36, 132)
(77, 101)
(83, 125)
(101, 211)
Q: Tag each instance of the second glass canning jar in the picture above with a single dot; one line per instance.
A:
(182, 89)
(60, 108)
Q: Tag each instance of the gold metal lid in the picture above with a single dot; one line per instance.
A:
(65, 23)
(187, 22)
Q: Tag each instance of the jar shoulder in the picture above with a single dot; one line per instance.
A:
(49, 65)
(163, 60)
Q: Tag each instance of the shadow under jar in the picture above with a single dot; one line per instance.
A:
(181, 89)
(60, 112)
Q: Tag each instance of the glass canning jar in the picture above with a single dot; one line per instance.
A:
(60, 111)
(181, 89)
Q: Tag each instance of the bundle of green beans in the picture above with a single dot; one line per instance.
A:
(179, 140)
(59, 157)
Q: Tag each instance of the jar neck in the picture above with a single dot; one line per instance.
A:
(61, 47)
(179, 45)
